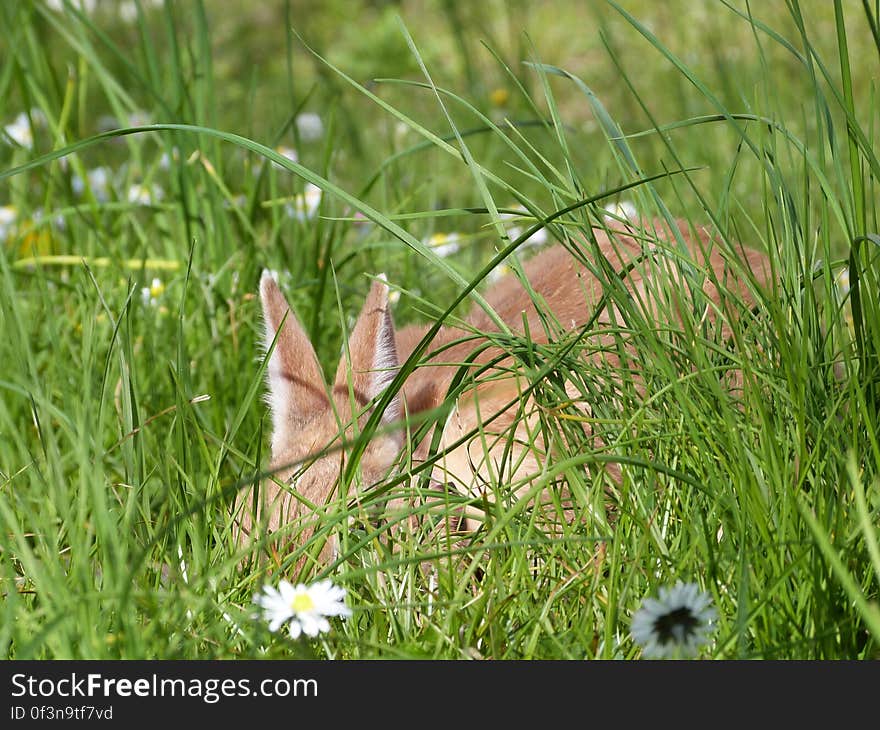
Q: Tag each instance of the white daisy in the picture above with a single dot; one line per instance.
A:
(674, 625)
(57, 220)
(443, 244)
(538, 238)
(401, 132)
(85, 6)
(305, 206)
(150, 294)
(144, 194)
(165, 160)
(128, 12)
(303, 608)
(498, 273)
(20, 131)
(624, 209)
(309, 126)
(98, 180)
(287, 152)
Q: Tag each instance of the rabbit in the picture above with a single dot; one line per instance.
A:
(310, 418)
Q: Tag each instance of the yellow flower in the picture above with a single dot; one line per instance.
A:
(499, 97)
(32, 235)
(36, 241)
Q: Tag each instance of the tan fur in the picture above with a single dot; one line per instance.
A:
(307, 419)
(307, 416)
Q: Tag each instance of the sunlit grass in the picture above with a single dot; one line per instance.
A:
(131, 418)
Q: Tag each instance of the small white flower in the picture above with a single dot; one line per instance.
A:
(139, 118)
(58, 220)
(98, 180)
(303, 608)
(165, 160)
(443, 244)
(305, 206)
(86, 6)
(309, 126)
(674, 625)
(499, 272)
(150, 296)
(144, 195)
(538, 238)
(20, 131)
(287, 152)
(401, 132)
(8, 214)
(128, 11)
(624, 209)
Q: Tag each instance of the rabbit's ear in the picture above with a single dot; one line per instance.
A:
(296, 384)
(373, 353)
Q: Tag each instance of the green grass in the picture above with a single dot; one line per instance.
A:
(129, 427)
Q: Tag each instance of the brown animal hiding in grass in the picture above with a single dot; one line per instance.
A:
(492, 420)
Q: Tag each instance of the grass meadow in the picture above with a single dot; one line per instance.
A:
(157, 156)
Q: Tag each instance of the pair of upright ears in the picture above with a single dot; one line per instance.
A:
(296, 383)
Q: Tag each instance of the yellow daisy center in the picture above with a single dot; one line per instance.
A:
(499, 97)
(302, 602)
